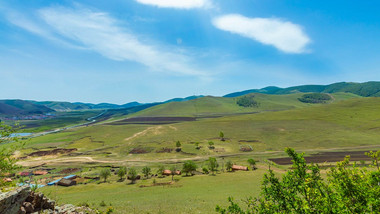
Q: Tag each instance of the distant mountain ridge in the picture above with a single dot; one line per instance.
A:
(68, 106)
(27, 107)
(22, 107)
(366, 89)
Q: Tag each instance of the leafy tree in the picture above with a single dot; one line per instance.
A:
(211, 145)
(146, 171)
(197, 145)
(247, 101)
(229, 165)
(221, 135)
(303, 190)
(7, 162)
(160, 170)
(178, 144)
(132, 175)
(315, 98)
(212, 165)
(122, 172)
(252, 162)
(205, 170)
(173, 171)
(189, 167)
(105, 173)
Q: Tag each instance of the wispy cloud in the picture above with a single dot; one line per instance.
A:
(101, 33)
(179, 4)
(283, 35)
(31, 24)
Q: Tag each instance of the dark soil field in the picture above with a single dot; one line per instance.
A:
(326, 157)
(153, 120)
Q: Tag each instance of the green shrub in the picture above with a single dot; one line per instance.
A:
(303, 190)
(247, 101)
(315, 98)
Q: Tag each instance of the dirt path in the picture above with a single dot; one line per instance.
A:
(144, 132)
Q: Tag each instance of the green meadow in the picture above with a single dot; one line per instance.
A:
(346, 123)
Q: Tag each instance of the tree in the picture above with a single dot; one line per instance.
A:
(347, 189)
(7, 161)
(221, 135)
(189, 167)
(229, 165)
(212, 165)
(252, 162)
(132, 175)
(197, 145)
(160, 170)
(247, 101)
(178, 145)
(105, 173)
(205, 170)
(146, 171)
(122, 172)
(211, 145)
(173, 171)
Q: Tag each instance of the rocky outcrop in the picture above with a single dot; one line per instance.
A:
(24, 201)
(11, 202)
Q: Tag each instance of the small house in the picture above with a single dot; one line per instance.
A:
(167, 172)
(66, 182)
(40, 172)
(25, 174)
(237, 167)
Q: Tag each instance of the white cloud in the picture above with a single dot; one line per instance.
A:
(99, 32)
(283, 35)
(179, 4)
(32, 25)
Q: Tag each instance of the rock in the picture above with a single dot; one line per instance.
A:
(67, 208)
(29, 208)
(10, 202)
(22, 210)
(49, 204)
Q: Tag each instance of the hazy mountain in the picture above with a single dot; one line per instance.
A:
(22, 107)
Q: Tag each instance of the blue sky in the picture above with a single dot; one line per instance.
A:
(153, 50)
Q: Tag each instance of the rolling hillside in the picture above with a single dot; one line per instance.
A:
(349, 123)
(21, 107)
(209, 106)
(367, 89)
(68, 106)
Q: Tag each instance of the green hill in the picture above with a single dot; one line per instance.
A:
(21, 107)
(349, 123)
(367, 89)
(209, 106)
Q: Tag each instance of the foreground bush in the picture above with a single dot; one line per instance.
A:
(347, 189)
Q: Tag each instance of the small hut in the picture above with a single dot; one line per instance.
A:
(40, 172)
(25, 173)
(66, 182)
(167, 172)
(237, 167)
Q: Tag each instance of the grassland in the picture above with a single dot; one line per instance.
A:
(196, 194)
(208, 106)
(348, 123)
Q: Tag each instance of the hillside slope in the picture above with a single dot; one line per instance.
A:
(21, 107)
(208, 106)
(367, 89)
